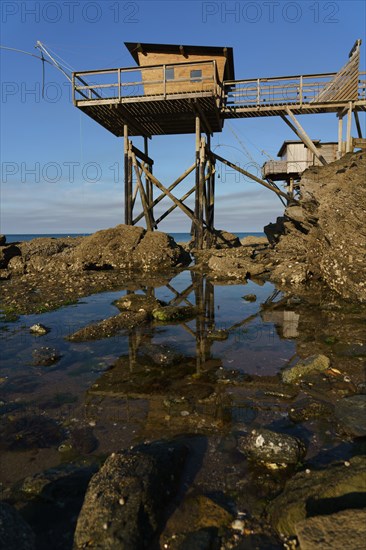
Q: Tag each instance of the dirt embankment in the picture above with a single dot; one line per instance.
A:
(324, 235)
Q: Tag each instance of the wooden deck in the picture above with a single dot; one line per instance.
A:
(151, 103)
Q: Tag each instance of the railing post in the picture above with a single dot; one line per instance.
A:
(258, 92)
(119, 84)
(301, 90)
(164, 79)
(73, 87)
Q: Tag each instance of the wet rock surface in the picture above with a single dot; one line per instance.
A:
(125, 500)
(351, 414)
(319, 492)
(15, 533)
(305, 367)
(45, 356)
(109, 327)
(338, 531)
(270, 447)
(29, 432)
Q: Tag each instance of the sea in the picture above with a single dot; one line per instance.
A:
(178, 237)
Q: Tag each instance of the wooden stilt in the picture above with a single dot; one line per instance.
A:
(148, 184)
(358, 125)
(340, 135)
(201, 183)
(127, 178)
(170, 188)
(144, 201)
(251, 176)
(198, 143)
(349, 128)
(167, 193)
(300, 132)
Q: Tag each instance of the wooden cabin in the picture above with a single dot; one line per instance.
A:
(295, 158)
(175, 69)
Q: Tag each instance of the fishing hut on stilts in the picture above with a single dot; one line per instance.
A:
(177, 89)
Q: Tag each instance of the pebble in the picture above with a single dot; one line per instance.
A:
(238, 525)
(184, 413)
(38, 328)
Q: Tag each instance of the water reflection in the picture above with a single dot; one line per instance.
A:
(157, 379)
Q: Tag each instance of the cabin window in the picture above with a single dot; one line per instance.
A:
(196, 75)
(169, 74)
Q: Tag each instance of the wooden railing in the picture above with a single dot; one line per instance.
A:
(299, 90)
(152, 80)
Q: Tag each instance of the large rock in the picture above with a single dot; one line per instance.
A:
(125, 500)
(158, 251)
(128, 247)
(318, 492)
(324, 233)
(108, 248)
(269, 447)
(2, 240)
(341, 531)
(15, 533)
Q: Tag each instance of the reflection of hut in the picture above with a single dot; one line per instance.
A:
(295, 158)
(180, 69)
(287, 321)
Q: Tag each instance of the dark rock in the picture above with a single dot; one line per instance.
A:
(83, 440)
(45, 356)
(308, 408)
(29, 432)
(2, 240)
(109, 327)
(15, 533)
(305, 367)
(275, 230)
(160, 354)
(7, 253)
(343, 530)
(51, 501)
(351, 414)
(221, 239)
(125, 501)
(196, 520)
(270, 447)
(319, 492)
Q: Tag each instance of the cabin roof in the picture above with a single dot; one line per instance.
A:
(294, 141)
(135, 47)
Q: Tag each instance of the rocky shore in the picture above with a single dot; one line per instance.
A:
(288, 472)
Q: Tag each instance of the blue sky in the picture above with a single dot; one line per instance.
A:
(62, 172)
